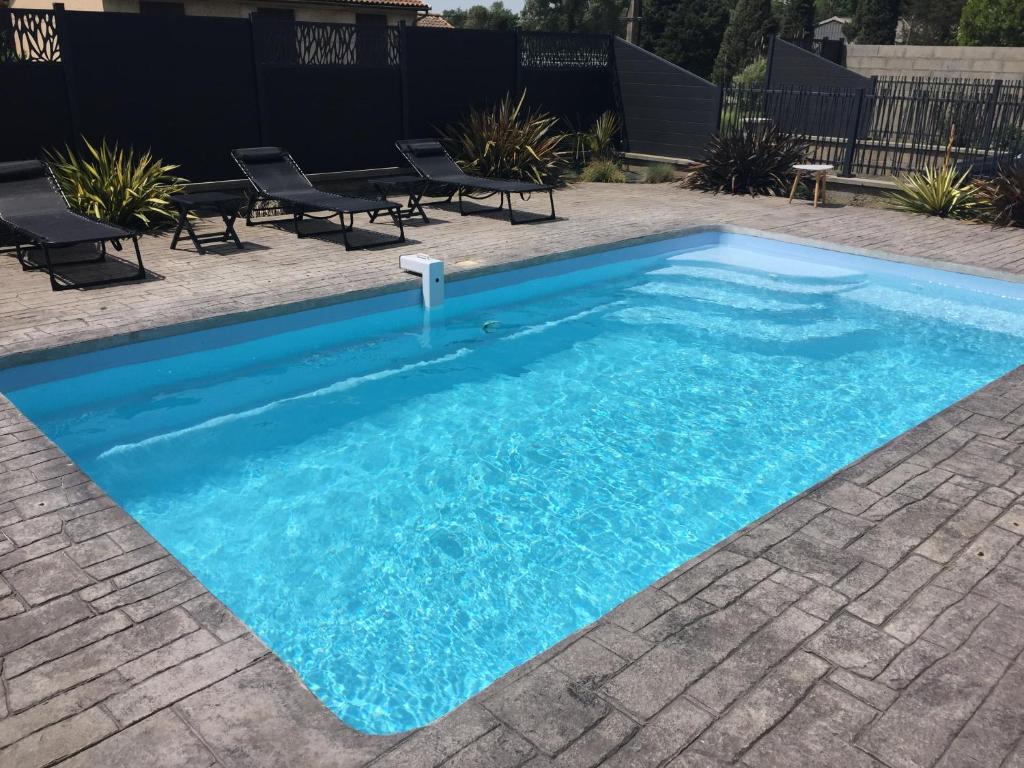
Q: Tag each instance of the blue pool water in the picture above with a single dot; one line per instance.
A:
(404, 509)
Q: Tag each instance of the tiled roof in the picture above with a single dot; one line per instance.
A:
(433, 20)
(400, 3)
(379, 3)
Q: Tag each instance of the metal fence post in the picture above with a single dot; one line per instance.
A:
(616, 85)
(519, 62)
(67, 65)
(854, 130)
(262, 119)
(403, 68)
(721, 107)
(769, 63)
(990, 114)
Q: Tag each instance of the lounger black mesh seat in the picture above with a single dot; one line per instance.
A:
(275, 176)
(432, 162)
(33, 207)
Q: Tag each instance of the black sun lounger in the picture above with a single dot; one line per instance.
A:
(432, 162)
(276, 176)
(34, 208)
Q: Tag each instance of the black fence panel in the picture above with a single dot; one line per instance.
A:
(569, 76)
(447, 72)
(668, 110)
(334, 118)
(132, 83)
(830, 50)
(577, 97)
(32, 87)
(330, 93)
(41, 119)
(790, 66)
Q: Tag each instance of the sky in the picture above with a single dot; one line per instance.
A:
(437, 6)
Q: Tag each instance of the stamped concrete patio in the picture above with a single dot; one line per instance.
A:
(875, 620)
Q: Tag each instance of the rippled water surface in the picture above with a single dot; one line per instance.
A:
(405, 510)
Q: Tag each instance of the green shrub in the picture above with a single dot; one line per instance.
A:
(1002, 196)
(117, 185)
(509, 141)
(936, 191)
(753, 74)
(754, 161)
(659, 173)
(605, 171)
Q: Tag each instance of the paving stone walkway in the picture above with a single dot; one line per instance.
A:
(875, 620)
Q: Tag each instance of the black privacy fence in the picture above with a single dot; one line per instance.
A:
(191, 88)
(895, 125)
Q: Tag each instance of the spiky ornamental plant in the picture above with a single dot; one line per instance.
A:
(117, 185)
(937, 191)
(509, 141)
(602, 137)
(749, 161)
(1003, 195)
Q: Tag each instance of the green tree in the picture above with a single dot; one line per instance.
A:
(826, 9)
(573, 15)
(455, 16)
(497, 16)
(686, 32)
(931, 22)
(992, 22)
(798, 20)
(874, 22)
(750, 23)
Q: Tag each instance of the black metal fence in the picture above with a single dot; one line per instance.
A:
(338, 95)
(899, 125)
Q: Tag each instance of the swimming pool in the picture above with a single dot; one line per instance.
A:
(405, 507)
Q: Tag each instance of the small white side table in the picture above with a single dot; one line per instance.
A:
(820, 172)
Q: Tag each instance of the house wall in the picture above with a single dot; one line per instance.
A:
(937, 61)
(227, 8)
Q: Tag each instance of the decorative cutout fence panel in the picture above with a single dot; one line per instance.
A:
(29, 36)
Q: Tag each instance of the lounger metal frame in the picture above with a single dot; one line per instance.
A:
(299, 211)
(36, 241)
(505, 197)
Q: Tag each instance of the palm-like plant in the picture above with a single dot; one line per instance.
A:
(1003, 195)
(754, 161)
(936, 191)
(117, 185)
(509, 141)
(602, 137)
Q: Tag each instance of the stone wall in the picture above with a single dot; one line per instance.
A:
(937, 61)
